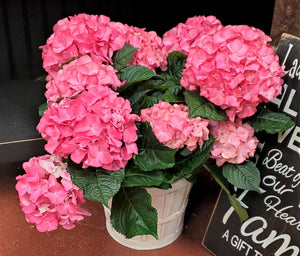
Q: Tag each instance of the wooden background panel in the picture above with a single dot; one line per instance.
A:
(286, 19)
(18, 37)
(36, 35)
(4, 45)
(26, 24)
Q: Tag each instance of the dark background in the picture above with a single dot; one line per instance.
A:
(26, 24)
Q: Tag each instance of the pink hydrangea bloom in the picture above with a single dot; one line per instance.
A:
(78, 76)
(235, 69)
(182, 37)
(47, 195)
(151, 52)
(173, 127)
(82, 34)
(95, 128)
(235, 142)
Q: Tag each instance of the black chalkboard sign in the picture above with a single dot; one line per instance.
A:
(273, 227)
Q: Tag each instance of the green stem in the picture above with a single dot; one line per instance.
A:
(219, 178)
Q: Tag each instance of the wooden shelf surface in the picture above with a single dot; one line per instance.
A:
(17, 237)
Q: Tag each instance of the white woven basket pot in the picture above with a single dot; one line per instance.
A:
(170, 205)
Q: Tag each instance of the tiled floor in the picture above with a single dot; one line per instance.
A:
(18, 238)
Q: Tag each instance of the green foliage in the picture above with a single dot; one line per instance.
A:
(135, 177)
(42, 108)
(123, 56)
(199, 106)
(132, 213)
(143, 88)
(271, 122)
(188, 164)
(41, 78)
(142, 93)
(173, 94)
(99, 185)
(176, 61)
(152, 154)
(133, 74)
(244, 176)
(172, 76)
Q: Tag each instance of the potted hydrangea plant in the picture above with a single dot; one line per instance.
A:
(130, 115)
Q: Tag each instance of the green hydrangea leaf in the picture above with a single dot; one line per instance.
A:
(41, 78)
(136, 177)
(193, 161)
(271, 122)
(173, 94)
(143, 94)
(133, 74)
(149, 101)
(152, 154)
(42, 108)
(176, 61)
(199, 106)
(244, 176)
(98, 185)
(123, 56)
(132, 213)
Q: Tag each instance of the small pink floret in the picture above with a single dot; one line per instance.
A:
(235, 142)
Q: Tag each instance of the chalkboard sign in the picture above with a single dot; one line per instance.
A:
(273, 227)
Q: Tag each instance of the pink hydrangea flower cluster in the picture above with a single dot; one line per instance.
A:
(79, 35)
(99, 37)
(173, 127)
(182, 37)
(151, 52)
(235, 69)
(95, 128)
(79, 75)
(47, 195)
(235, 142)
